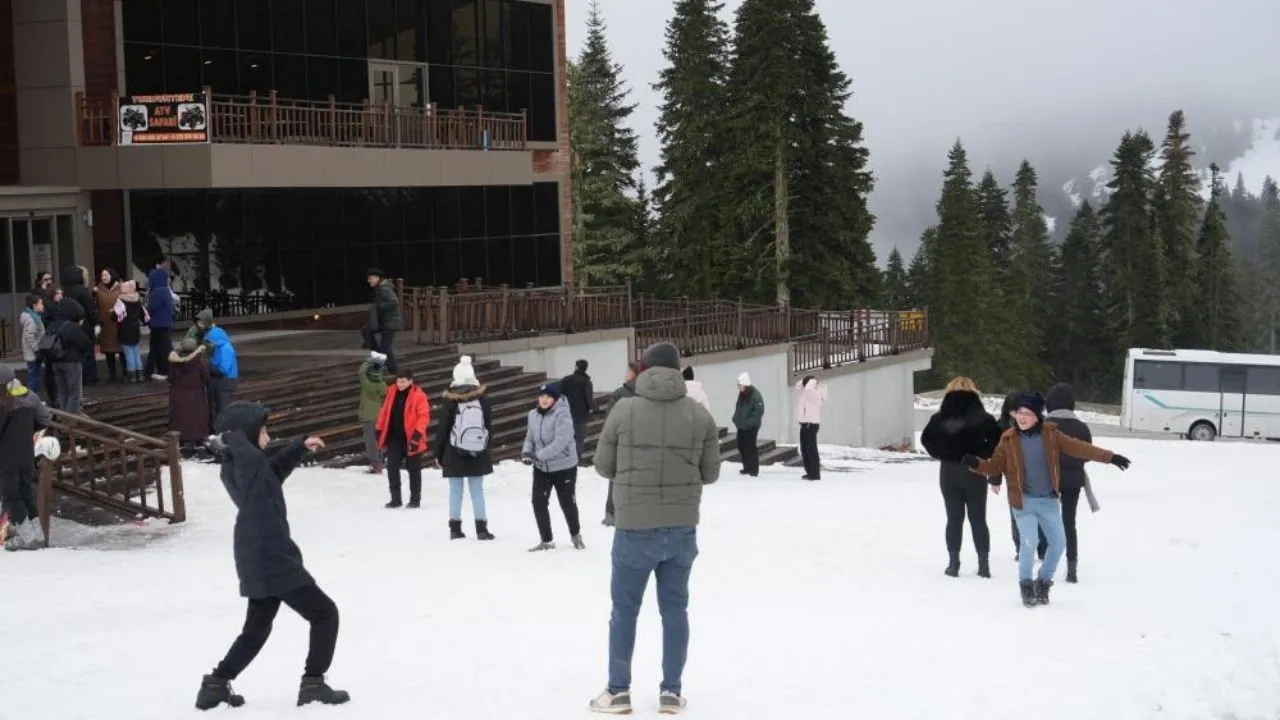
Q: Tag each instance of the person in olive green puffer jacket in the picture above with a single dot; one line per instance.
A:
(373, 389)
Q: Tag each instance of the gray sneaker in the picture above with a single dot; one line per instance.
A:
(578, 544)
(611, 703)
(543, 546)
(670, 703)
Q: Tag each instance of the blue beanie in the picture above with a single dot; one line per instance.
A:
(551, 390)
(1031, 401)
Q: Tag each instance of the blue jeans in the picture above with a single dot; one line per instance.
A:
(33, 376)
(132, 358)
(1036, 516)
(476, 486)
(668, 554)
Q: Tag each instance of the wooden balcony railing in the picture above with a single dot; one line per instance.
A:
(438, 316)
(270, 120)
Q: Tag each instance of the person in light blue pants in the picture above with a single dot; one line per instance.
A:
(462, 447)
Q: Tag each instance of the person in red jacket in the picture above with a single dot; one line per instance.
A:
(402, 436)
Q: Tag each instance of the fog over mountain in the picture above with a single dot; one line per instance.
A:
(1056, 83)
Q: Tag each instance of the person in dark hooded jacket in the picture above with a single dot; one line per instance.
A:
(75, 285)
(1061, 405)
(578, 391)
(268, 562)
(1006, 422)
(961, 427)
(68, 369)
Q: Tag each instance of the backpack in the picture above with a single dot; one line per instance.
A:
(50, 347)
(469, 437)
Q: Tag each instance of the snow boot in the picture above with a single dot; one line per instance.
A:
(578, 544)
(414, 504)
(543, 546)
(953, 566)
(25, 536)
(611, 703)
(608, 520)
(1028, 593)
(395, 503)
(670, 703)
(482, 530)
(984, 567)
(455, 530)
(1071, 572)
(1042, 591)
(315, 689)
(395, 495)
(214, 691)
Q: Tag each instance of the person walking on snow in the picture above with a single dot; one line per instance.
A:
(810, 397)
(695, 389)
(32, 322)
(373, 392)
(550, 450)
(130, 317)
(748, 416)
(1030, 454)
(189, 393)
(625, 390)
(268, 561)
(1005, 422)
(1061, 405)
(462, 447)
(660, 448)
(962, 427)
(22, 415)
(161, 303)
(580, 394)
(385, 318)
(402, 436)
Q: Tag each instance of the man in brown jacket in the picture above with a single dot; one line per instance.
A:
(1028, 454)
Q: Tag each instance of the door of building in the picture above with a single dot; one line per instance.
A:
(403, 86)
(31, 245)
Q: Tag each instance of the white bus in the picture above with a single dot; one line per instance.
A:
(1202, 394)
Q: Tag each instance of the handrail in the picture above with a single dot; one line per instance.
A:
(270, 120)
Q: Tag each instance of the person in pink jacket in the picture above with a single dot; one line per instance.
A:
(695, 390)
(810, 397)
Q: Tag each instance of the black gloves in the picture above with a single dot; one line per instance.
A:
(970, 462)
(1120, 461)
(527, 460)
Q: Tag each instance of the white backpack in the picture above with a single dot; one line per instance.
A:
(469, 436)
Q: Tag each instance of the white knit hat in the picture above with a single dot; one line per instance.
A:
(744, 380)
(463, 373)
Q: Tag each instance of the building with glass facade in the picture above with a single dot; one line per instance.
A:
(281, 147)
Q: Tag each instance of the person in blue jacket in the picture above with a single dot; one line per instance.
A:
(224, 367)
(161, 303)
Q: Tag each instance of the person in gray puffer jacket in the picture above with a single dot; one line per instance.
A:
(659, 448)
(550, 449)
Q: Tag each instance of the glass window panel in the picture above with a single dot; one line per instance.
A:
(1200, 378)
(226, 228)
(541, 39)
(548, 260)
(517, 91)
(496, 48)
(1233, 379)
(181, 23)
(218, 69)
(522, 216)
(255, 73)
(381, 36)
(444, 213)
(417, 214)
(441, 86)
(439, 21)
(142, 20)
(493, 90)
(388, 211)
(24, 274)
(547, 207)
(524, 254)
(447, 259)
(325, 220)
(413, 91)
(518, 31)
(296, 267)
(1148, 375)
(8, 274)
(471, 212)
(417, 261)
(291, 76)
(542, 108)
(466, 87)
(218, 24)
(253, 24)
(465, 33)
(475, 261)
(353, 80)
(498, 250)
(322, 27)
(322, 77)
(352, 32)
(1264, 380)
(410, 43)
(257, 238)
(143, 69)
(181, 69)
(288, 33)
(497, 210)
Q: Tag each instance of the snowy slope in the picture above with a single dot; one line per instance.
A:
(810, 600)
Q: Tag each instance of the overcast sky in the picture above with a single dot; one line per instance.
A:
(1000, 74)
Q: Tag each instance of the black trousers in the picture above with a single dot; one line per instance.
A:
(565, 484)
(385, 343)
(111, 364)
(49, 382)
(221, 394)
(312, 604)
(1070, 504)
(749, 451)
(160, 346)
(809, 450)
(397, 458)
(965, 493)
(18, 495)
(580, 436)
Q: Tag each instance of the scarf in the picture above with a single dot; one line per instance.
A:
(35, 317)
(1065, 414)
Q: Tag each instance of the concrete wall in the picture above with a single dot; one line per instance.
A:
(49, 71)
(718, 373)
(869, 404)
(607, 353)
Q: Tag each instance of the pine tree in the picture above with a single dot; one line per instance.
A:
(656, 273)
(1077, 340)
(1027, 283)
(691, 194)
(1215, 324)
(993, 202)
(918, 273)
(798, 173)
(896, 292)
(1178, 207)
(604, 156)
(1268, 299)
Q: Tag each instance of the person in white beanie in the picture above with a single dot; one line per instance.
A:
(374, 381)
(748, 415)
(810, 397)
(462, 447)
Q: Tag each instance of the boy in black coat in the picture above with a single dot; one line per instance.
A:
(268, 562)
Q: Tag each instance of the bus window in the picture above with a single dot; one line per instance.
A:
(1148, 375)
(1264, 381)
(1201, 378)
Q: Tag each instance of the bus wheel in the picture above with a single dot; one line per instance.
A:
(1202, 432)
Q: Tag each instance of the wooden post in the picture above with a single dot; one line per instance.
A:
(334, 133)
(738, 330)
(630, 314)
(442, 337)
(44, 497)
(504, 312)
(176, 494)
(415, 307)
(113, 115)
(275, 116)
(210, 125)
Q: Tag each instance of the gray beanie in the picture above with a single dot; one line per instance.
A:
(188, 345)
(6, 376)
(663, 355)
(205, 316)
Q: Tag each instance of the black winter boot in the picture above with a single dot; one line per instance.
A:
(214, 691)
(315, 689)
(482, 530)
(1042, 591)
(1071, 572)
(395, 495)
(1028, 593)
(984, 566)
(455, 530)
(953, 567)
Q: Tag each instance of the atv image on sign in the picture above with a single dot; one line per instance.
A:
(191, 116)
(133, 118)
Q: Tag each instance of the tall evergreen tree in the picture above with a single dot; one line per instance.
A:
(1268, 299)
(1215, 324)
(896, 292)
(1027, 282)
(1178, 207)
(691, 193)
(799, 168)
(993, 203)
(918, 273)
(604, 156)
(1077, 340)
(655, 273)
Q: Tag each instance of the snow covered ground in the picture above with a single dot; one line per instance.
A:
(810, 600)
(993, 404)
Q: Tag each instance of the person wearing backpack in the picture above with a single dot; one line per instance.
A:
(65, 346)
(462, 447)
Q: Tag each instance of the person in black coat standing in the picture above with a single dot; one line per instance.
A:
(68, 368)
(961, 427)
(76, 286)
(1061, 405)
(581, 395)
(268, 562)
(385, 318)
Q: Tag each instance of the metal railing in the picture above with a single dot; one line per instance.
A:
(270, 120)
